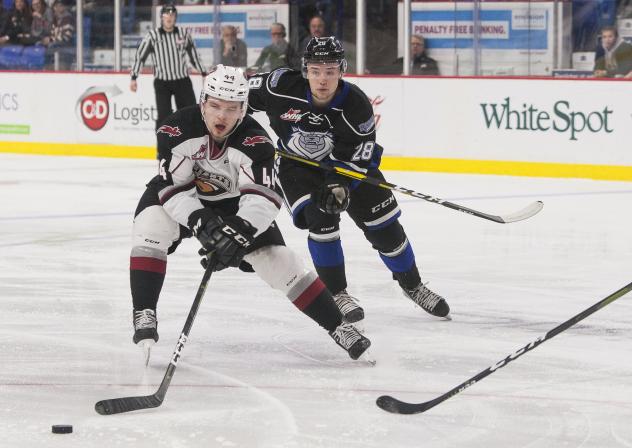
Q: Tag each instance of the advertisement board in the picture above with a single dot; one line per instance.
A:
(420, 121)
(79, 109)
(565, 121)
(508, 38)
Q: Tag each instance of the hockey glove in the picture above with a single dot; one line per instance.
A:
(226, 239)
(331, 198)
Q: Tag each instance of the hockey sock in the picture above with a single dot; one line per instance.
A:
(402, 259)
(408, 279)
(147, 275)
(329, 262)
(315, 300)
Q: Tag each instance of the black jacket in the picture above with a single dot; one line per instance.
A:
(4, 15)
(18, 26)
(422, 65)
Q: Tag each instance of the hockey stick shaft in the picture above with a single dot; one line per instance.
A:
(525, 213)
(394, 405)
(126, 404)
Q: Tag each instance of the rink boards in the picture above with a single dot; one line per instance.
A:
(512, 126)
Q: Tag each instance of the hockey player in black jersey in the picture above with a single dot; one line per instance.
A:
(319, 116)
(215, 183)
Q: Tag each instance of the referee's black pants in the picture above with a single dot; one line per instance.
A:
(182, 89)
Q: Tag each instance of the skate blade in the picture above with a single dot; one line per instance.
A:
(146, 345)
(367, 357)
(446, 317)
(359, 325)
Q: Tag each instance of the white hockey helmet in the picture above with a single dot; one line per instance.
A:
(228, 84)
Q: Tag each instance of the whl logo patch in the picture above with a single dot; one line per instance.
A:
(93, 106)
(294, 115)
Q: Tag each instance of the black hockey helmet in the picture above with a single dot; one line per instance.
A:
(322, 50)
(168, 8)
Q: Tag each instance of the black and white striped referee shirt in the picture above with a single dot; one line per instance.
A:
(167, 52)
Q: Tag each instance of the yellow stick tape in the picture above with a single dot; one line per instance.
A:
(507, 168)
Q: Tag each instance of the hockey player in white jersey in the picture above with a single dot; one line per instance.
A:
(216, 183)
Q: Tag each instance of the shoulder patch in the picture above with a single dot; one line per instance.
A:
(367, 125)
(255, 140)
(274, 77)
(171, 131)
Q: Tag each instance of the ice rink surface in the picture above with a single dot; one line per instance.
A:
(258, 373)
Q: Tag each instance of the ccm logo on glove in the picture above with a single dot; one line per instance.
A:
(238, 237)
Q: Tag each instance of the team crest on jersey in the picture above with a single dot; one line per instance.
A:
(294, 115)
(201, 153)
(312, 144)
(255, 140)
(171, 131)
(211, 183)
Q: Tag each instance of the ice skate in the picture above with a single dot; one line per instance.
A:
(430, 301)
(348, 306)
(145, 331)
(350, 339)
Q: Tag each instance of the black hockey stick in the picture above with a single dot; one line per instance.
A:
(396, 406)
(525, 213)
(126, 404)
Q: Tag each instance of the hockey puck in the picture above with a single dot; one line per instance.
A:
(62, 429)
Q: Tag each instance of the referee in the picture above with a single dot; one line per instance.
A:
(168, 46)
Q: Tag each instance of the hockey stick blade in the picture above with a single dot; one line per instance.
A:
(127, 404)
(395, 406)
(525, 213)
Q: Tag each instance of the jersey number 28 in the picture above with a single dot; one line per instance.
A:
(364, 151)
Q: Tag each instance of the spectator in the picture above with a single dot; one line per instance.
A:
(330, 11)
(42, 22)
(422, 64)
(18, 25)
(234, 50)
(60, 40)
(613, 58)
(279, 53)
(316, 29)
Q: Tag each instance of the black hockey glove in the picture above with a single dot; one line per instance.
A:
(331, 198)
(226, 239)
